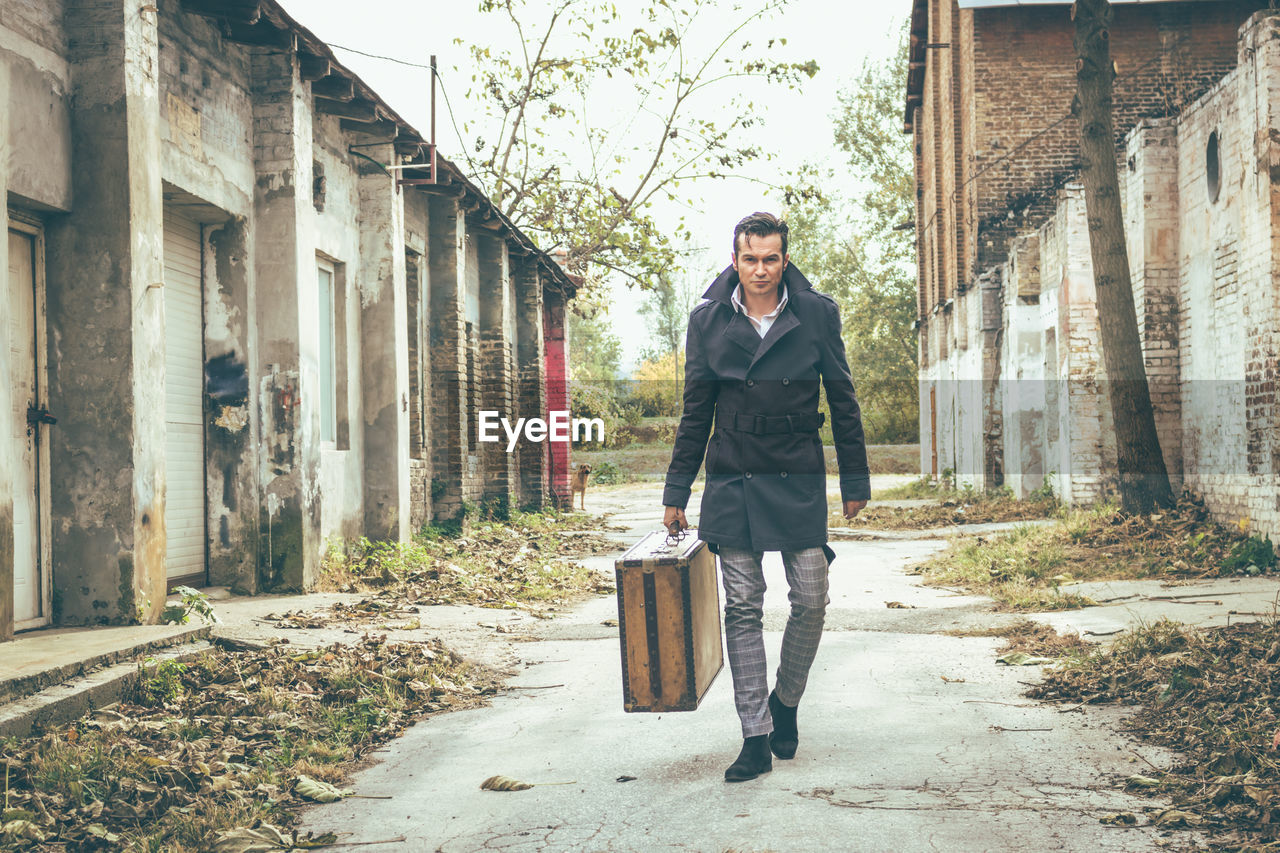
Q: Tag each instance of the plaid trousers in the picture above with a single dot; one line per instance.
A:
(744, 586)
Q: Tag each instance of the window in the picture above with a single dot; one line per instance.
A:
(328, 354)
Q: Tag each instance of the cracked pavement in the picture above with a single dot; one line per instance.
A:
(910, 739)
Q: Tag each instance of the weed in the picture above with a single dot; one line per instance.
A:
(1251, 556)
(190, 601)
(160, 681)
(1044, 491)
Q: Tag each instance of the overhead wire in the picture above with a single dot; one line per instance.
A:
(462, 145)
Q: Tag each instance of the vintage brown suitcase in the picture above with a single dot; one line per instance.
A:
(669, 619)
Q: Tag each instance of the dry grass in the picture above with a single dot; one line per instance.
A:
(647, 462)
(962, 508)
(1032, 568)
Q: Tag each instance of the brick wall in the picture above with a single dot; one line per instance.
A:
(495, 374)
(531, 393)
(1150, 201)
(1024, 79)
(446, 262)
(557, 393)
(1228, 302)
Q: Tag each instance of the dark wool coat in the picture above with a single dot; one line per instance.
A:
(766, 475)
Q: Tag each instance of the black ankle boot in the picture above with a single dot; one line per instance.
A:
(752, 761)
(785, 738)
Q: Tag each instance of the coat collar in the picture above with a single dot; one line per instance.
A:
(739, 329)
(721, 290)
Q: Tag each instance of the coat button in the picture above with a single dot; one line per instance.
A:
(784, 475)
(751, 383)
(747, 475)
(786, 381)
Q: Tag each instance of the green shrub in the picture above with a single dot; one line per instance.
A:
(1255, 552)
(605, 473)
(597, 400)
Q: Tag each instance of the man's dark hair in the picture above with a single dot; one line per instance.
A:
(760, 224)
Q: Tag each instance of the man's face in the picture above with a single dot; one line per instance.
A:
(760, 262)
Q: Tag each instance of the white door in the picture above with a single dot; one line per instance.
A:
(30, 535)
(184, 408)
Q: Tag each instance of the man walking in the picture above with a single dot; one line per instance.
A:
(756, 349)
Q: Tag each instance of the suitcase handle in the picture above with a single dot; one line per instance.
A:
(651, 633)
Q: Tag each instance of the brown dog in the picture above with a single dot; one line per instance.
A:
(579, 484)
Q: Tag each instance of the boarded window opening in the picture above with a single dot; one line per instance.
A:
(1213, 167)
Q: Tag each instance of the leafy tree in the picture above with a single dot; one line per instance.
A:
(654, 389)
(553, 163)
(856, 242)
(595, 352)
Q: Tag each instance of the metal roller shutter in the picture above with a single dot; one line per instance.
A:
(184, 409)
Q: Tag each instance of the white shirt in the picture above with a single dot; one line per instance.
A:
(762, 325)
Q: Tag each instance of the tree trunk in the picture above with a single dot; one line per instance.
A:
(1144, 482)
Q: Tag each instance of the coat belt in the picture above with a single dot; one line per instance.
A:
(760, 424)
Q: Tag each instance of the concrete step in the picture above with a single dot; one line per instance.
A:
(73, 698)
(38, 659)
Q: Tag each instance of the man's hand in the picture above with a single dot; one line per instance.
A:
(852, 508)
(672, 517)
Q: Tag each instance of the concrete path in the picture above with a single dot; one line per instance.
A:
(910, 740)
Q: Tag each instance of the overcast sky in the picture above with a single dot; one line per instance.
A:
(795, 124)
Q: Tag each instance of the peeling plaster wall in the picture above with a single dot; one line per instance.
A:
(1023, 368)
(206, 112)
(1084, 452)
(33, 44)
(231, 422)
(384, 352)
(337, 237)
(106, 327)
(285, 271)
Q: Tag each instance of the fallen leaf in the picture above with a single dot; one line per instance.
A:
(625, 779)
(1177, 817)
(1120, 819)
(314, 789)
(99, 831)
(898, 605)
(244, 840)
(1023, 659)
(21, 830)
(1141, 782)
(504, 783)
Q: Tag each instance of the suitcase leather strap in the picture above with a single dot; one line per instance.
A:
(651, 632)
